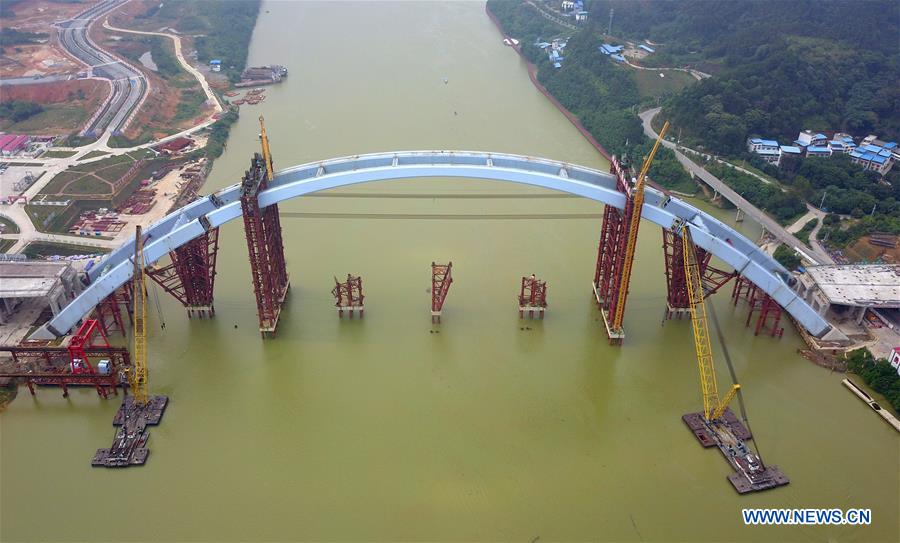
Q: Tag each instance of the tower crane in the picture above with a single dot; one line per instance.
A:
(137, 376)
(637, 204)
(713, 407)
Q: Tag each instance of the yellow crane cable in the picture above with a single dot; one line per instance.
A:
(631, 242)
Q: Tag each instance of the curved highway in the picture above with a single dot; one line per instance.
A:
(194, 219)
(127, 84)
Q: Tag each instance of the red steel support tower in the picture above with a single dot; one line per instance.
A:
(677, 303)
(349, 296)
(262, 227)
(191, 274)
(532, 297)
(109, 311)
(441, 279)
(611, 253)
(758, 300)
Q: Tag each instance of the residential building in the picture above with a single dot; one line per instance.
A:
(790, 151)
(818, 151)
(809, 139)
(581, 16)
(568, 5)
(646, 48)
(768, 150)
(873, 157)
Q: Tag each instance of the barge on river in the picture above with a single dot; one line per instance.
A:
(729, 435)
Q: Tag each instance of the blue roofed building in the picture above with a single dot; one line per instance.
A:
(876, 157)
(808, 139)
(818, 151)
(617, 58)
(768, 150)
(609, 49)
(581, 16)
(647, 48)
(790, 150)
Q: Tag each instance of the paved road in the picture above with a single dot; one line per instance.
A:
(817, 256)
(127, 84)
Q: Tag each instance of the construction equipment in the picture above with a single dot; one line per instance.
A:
(636, 203)
(137, 376)
(267, 156)
(713, 407)
(716, 425)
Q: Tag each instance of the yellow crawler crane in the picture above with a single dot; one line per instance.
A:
(137, 377)
(637, 198)
(713, 408)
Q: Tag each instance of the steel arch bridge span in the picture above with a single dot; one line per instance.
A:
(194, 219)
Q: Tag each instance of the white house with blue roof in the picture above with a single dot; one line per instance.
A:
(808, 138)
(874, 157)
(768, 150)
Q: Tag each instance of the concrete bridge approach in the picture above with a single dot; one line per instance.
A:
(255, 200)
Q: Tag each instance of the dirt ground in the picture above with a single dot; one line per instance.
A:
(43, 59)
(862, 250)
(156, 116)
(68, 105)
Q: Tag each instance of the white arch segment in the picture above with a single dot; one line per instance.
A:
(211, 211)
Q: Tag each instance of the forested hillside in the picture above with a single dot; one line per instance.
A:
(601, 94)
(779, 66)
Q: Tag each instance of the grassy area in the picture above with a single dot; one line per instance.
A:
(93, 154)
(803, 233)
(5, 244)
(113, 172)
(650, 84)
(8, 394)
(41, 249)
(89, 184)
(9, 227)
(58, 154)
(54, 117)
(119, 141)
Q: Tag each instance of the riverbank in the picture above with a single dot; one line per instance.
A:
(532, 74)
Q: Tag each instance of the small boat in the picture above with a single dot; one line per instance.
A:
(446, 80)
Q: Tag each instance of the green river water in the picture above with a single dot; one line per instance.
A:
(493, 428)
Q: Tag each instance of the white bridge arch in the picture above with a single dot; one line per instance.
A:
(207, 212)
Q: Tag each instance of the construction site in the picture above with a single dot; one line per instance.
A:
(190, 275)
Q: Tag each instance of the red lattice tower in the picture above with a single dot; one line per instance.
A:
(349, 296)
(89, 336)
(532, 297)
(758, 300)
(611, 252)
(191, 274)
(677, 303)
(441, 279)
(262, 227)
(109, 311)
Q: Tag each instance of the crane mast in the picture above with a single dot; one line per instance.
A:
(267, 155)
(713, 407)
(137, 377)
(637, 199)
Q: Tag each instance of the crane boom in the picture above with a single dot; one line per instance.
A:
(637, 205)
(137, 377)
(713, 408)
(267, 155)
